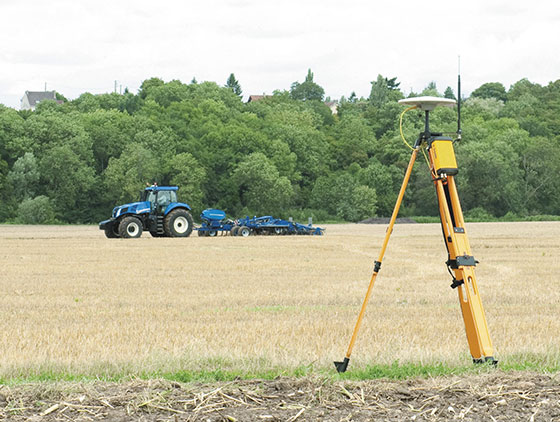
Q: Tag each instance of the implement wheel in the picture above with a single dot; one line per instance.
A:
(244, 231)
(178, 223)
(130, 228)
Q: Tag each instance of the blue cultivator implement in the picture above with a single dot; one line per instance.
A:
(269, 225)
(214, 222)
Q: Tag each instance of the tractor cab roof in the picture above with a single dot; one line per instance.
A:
(161, 188)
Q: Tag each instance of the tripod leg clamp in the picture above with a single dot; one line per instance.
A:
(456, 283)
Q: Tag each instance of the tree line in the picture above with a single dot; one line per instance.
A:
(286, 154)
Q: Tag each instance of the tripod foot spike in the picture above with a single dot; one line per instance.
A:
(342, 366)
(488, 360)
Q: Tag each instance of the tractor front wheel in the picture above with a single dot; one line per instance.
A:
(112, 231)
(178, 223)
(130, 227)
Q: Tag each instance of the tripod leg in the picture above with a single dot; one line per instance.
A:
(342, 366)
(462, 263)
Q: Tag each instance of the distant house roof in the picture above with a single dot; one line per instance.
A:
(333, 106)
(258, 97)
(32, 98)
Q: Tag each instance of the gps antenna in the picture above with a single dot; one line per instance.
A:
(459, 100)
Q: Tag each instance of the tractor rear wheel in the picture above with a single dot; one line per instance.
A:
(178, 223)
(130, 228)
(234, 230)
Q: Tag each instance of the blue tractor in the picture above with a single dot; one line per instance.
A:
(157, 211)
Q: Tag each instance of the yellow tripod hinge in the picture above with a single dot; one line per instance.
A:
(460, 262)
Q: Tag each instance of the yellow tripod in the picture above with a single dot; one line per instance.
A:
(461, 263)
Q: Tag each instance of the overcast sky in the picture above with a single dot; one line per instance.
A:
(78, 46)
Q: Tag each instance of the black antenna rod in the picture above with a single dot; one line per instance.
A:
(459, 101)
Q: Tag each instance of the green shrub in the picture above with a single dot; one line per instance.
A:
(38, 210)
(479, 214)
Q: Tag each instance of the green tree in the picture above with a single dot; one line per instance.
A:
(86, 103)
(13, 139)
(60, 97)
(261, 187)
(110, 131)
(354, 141)
(340, 195)
(187, 173)
(448, 93)
(490, 177)
(489, 108)
(128, 174)
(24, 177)
(148, 85)
(524, 87)
(384, 90)
(168, 93)
(431, 90)
(233, 84)
(384, 180)
(307, 90)
(38, 210)
(69, 182)
(379, 94)
(50, 129)
(298, 129)
(490, 90)
(363, 203)
(392, 84)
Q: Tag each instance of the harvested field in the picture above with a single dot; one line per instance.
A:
(489, 397)
(78, 305)
(74, 302)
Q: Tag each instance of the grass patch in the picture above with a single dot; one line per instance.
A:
(394, 371)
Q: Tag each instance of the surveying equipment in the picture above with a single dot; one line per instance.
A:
(460, 262)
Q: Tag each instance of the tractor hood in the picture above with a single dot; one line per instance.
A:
(132, 208)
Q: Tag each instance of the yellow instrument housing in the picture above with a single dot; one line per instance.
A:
(443, 156)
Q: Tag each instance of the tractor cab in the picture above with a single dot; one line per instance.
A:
(159, 198)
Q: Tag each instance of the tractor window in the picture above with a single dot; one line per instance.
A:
(151, 196)
(164, 198)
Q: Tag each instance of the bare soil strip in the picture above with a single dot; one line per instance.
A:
(490, 397)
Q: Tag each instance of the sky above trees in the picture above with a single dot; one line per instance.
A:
(76, 47)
